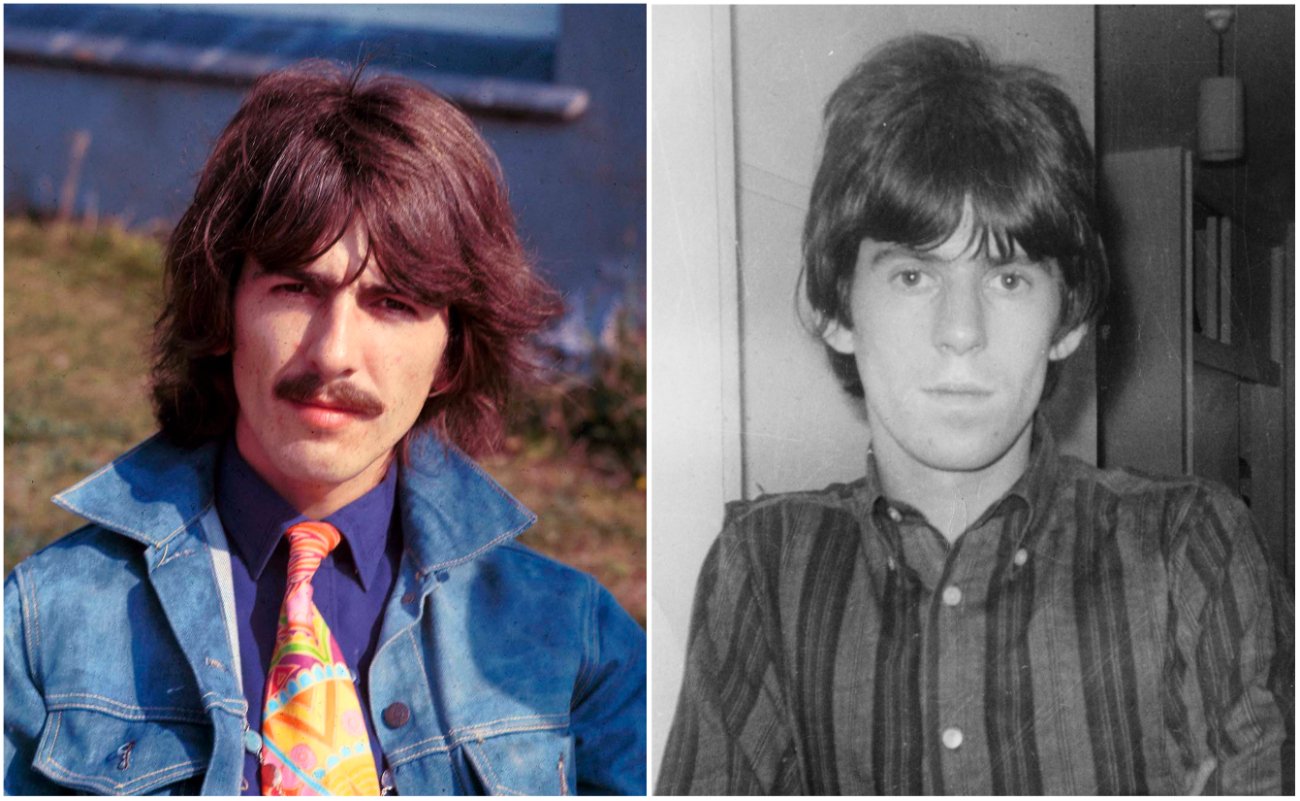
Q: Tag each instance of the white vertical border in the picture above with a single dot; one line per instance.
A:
(728, 244)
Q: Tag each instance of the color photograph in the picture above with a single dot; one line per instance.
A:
(325, 399)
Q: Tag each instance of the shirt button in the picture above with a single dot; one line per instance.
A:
(1021, 557)
(396, 714)
(952, 738)
(952, 597)
(408, 598)
(895, 515)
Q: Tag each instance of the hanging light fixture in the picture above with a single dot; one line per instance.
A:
(1221, 129)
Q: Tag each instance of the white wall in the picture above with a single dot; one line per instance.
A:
(799, 431)
(694, 336)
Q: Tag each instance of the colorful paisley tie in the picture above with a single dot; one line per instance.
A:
(314, 739)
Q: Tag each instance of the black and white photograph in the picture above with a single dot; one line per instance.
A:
(972, 400)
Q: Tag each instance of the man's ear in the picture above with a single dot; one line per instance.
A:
(1067, 344)
(839, 336)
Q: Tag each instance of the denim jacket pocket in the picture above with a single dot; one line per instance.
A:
(524, 763)
(136, 754)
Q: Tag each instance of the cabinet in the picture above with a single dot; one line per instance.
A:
(1170, 375)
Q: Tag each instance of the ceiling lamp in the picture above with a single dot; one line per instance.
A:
(1221, 128)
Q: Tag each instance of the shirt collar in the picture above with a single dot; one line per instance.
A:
(1037, 484)
(255, 516)
(1034, 487)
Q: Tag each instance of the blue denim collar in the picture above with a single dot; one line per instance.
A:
(459, 511)
(451, 511)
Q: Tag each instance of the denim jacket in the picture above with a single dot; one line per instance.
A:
(497, 671)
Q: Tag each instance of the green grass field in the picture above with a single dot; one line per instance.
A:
(79, 308)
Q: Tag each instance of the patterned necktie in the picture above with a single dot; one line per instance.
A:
(314, 739)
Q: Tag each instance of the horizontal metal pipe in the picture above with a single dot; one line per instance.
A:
(161, 60)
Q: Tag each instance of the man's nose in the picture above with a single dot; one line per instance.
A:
(330, 342)
(959, 320)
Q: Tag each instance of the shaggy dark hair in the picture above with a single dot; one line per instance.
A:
(311, 151)
(925, 124)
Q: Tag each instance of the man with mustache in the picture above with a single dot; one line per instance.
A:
(302, 585)
(979, 614)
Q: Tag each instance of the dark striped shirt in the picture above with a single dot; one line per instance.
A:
(1094, 632)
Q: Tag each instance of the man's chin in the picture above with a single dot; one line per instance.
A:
(323, 464)
(949, 462)
(965, 452)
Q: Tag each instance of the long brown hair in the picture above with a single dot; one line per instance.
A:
(311, 151)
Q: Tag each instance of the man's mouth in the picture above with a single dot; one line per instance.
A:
(326, 416)
(958, 391)
(329, 406)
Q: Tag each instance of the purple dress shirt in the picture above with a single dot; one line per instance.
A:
(350, 588)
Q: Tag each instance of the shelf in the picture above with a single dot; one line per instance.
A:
(1235, 360)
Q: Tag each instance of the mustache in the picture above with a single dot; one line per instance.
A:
(312, 388)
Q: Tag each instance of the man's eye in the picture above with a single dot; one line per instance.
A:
(909, 279)
(1011, 282)
(395, 305)
(290, 288)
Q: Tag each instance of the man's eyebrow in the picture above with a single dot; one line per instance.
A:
(903, 252)
(384, 288)
(1022, 261)
(315, 281)
(890, 252)
(1014, 260)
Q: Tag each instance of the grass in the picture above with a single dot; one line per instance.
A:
(79, 309)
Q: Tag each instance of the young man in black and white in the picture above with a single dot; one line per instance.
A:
(979, 613)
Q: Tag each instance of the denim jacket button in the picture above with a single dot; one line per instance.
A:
(396, 715)
(408, 598)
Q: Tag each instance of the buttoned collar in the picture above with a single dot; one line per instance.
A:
(450, 510)
(256, 517)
